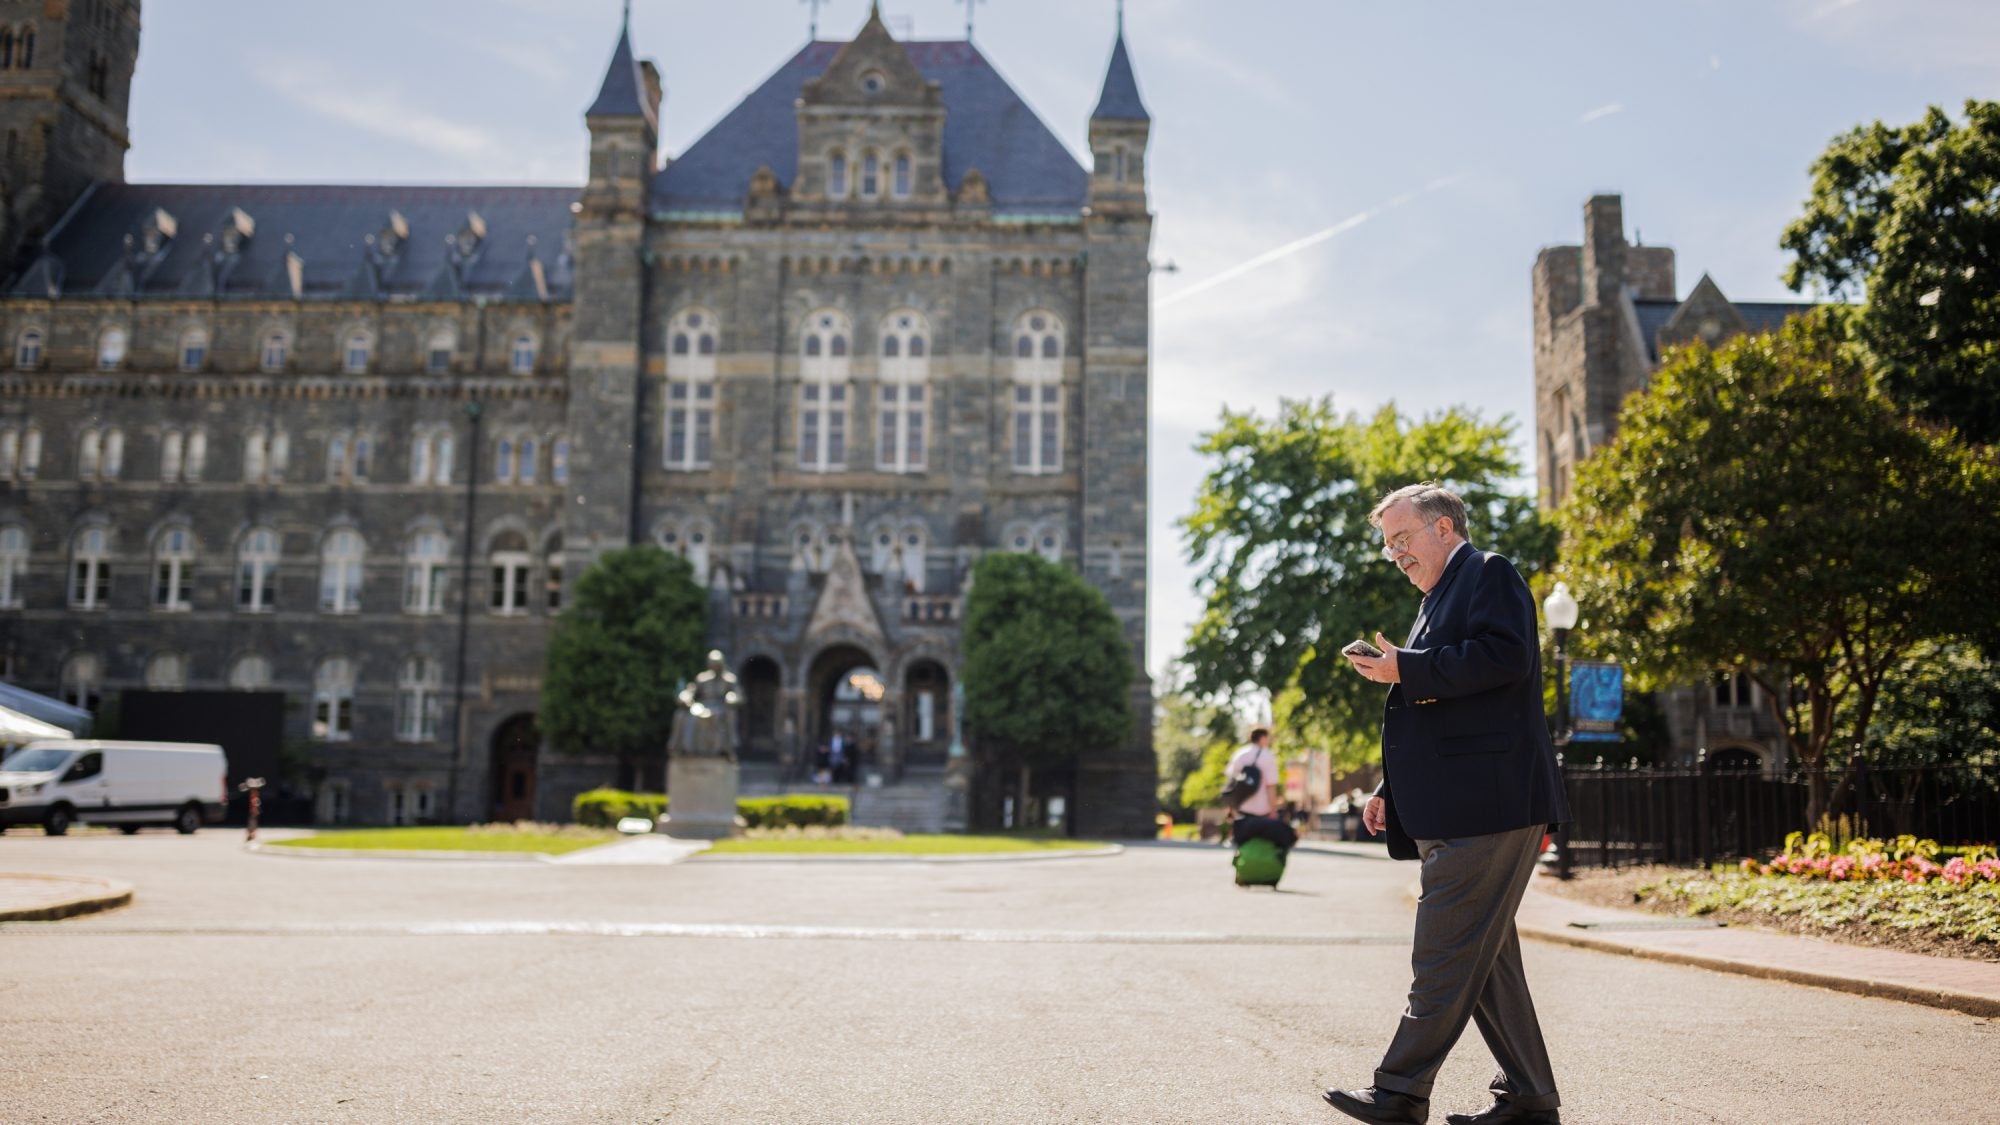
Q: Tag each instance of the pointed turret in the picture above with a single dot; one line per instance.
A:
(624, 123)
(1118, 131)
(1119, 100)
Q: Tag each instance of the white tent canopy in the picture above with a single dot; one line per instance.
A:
(16, 727)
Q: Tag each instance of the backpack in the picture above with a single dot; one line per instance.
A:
(1243, 785)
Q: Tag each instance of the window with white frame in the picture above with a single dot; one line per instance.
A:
(438, 352)
(510, 563)
(266, 453)
(340, 572)
(111, 349)
(812, 548)
(1049, 542)
(336, 457)
(20, 452)
(425, 573)
(431, 452)
(257, 570)
(559, 461)
(419, 700)
(195, 458)
(274, 350)
(194, 349)
(1734, 690)
(356, 352)
(871, 176)
(13, 564)
(690, 415)
(552, 576)
(823, 386)
(836, 176)
(173, 450)
(10, 452)
(173, 569)
(347, 457)
(166, 671)
(83, 681)
(333, 700)
(527, 459)
(521, 358)
(28, 349)
(689, 540)
(899, 185)
(1037, 377)
(903, 385)
(250, 673)
(913, 557)
(503, 459)
(90, 569)
(100, 453)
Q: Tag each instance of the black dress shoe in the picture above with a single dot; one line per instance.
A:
(1505, 1113)
(1386, 1106)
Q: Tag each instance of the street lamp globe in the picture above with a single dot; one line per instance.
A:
(1559, 608)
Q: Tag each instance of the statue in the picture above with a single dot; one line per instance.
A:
(706, 724)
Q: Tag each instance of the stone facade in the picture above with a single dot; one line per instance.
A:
(875, 323)
(1604, 312)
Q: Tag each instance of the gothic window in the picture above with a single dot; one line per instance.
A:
(28, 349)
(425, 572)
(430, 455)
(10, 452)
(836, 176)
(173, 453)
(90, 569)
(83, 682)
(111, 349)
(900, 184)
(336, 457)
(526, 460)
(275, 351)
(690, 437)
(1733, 689)
(166, 671)
(20, 450)
(1049, 543)
(913, 558)
(265, 455)
(194, 349)
(26, 58)
(552, 575)
(13, 564)
(340, 572)
(6, 48)
(510, 562)
(100, 453)
(559, 461)
(250, 673)
(823, 393)
(871, 176)
(194, 455)
(1118, 165)
(503, 460)
(521, 360)
(438, 353)
(903, 387)
(333, 700)
(419, 699)
(1038, 413)
(173, 569)
(257, 571)
(356, 352)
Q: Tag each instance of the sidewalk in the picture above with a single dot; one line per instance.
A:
(45, 898)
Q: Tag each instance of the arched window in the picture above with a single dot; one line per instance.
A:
(340, 572)
(10, 452)
(356, 352)
(552, 575)
(690, 423)
(173, 452)
(527, 460)
(336, 457)
(276, 350)
(6, 48)
(426, 570)
(13, 564)
(836, 176)
(114, 453)
(28, 349)
(264, 455)
(111, 349)
(194, 349)
(690, 540)
(521, 360)
(503, 460)
(438, 353)
(173, 570)
(559, 461)
(196, 458)
(333, 700)
(1049, 542)
(1037, 376)
(250, 673)
(510, 563)
(900, 184)
(823, 388)
(90, 569)
(166, 671)
(419, 699)
(913, 557)
(871, 176)
(900, 432)
(89, 454)
(257, 571)
(83, 682)
(27, 52)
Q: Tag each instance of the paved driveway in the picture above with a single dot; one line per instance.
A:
(1136, 988)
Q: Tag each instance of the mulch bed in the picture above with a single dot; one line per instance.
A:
(1622, 887)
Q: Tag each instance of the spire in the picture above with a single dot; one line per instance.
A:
(1120, 99)
(623, 93)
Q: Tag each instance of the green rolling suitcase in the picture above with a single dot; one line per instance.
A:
(1259, 863)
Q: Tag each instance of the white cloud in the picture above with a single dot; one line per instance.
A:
(381, 111)
(1605, 110)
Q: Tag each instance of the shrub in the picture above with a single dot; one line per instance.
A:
(603, 808)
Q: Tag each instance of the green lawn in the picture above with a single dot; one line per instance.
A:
(899, 845)
(477, 838)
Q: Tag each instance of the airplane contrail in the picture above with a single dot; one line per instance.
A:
(1306, 243)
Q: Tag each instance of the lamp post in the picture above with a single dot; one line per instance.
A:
(1559, 610)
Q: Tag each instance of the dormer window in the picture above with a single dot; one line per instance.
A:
(437, 356)
(194, 349)
(111, 349)
(277, 348)
(873, 82)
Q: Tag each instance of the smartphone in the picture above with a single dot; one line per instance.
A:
(1362, 648)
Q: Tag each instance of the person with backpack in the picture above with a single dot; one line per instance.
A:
(1262, 841)
(1259, 797)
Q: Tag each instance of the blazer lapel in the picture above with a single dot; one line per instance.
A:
(1436, 595)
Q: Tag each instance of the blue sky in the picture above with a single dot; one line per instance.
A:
(1415, 154)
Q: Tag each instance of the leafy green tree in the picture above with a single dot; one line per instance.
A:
(1203, 785)
(1184, 730)
(1280, 539)
(1764, 509)
(632, 632)
(1940, 706)
(1910, 216)
(1048, 673)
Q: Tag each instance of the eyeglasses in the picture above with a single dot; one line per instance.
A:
(1396, 545)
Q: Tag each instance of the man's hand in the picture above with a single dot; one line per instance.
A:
(1382, 669)
(1375, 816)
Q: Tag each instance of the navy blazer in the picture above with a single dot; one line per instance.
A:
(1465, 745)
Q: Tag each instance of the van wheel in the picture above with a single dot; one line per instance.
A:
(187, 820)
(57, 821)
(129, 829)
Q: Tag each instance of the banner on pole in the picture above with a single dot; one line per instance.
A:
(1596, 701)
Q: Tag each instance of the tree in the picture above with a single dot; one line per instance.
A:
(1911, 217)
(1764, 509)
(1184, 730)
(1048, 672)
(622, 646)
(1280, 539)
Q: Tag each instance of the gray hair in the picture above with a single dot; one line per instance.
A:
(1431, 500)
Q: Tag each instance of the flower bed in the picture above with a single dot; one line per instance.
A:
(1904, 859)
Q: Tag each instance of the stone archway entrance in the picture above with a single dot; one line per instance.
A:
(845, 698)
(515, 747)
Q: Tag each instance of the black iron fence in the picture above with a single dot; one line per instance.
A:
(1622, 818)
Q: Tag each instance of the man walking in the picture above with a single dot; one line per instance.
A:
(1469, 786)
(1257, 752)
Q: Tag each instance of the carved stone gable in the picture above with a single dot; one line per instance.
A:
(1706, 315)
(844, 605)
(872, 70)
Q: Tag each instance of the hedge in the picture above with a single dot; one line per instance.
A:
(603, 808)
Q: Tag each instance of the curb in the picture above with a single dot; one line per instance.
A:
(994, 857)
(105, 894)
(400, 855)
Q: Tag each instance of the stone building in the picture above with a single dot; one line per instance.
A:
(1604, 313)
(349, 442)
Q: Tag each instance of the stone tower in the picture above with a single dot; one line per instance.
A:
(65, 87)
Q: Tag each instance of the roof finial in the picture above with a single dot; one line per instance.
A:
(969, 6)
(1121, 16)
(628, 12)
(812, 18)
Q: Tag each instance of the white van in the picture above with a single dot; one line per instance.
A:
(57, 782)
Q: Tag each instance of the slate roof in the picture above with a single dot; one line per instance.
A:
(623, 91)
(1120, 99)
(1761, 316)
(328, 227)
(987, 126)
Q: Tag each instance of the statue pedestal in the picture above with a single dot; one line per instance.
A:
(701, 798)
